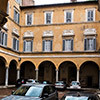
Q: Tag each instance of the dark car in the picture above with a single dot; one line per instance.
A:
(80, 95)
(34, 92)
(21, 81)
(60, 85)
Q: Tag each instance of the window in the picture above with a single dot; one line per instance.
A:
(18, 1)
(15, 44)
(90, 43)
(3, 38)
(68, 45)
(8, 7)
(28, 45)
(90, 15)
(16, 16)
(68, 16)
(48, 17)
(47, 45)
(29, 19)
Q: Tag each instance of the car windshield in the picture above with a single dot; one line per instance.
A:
(59, 83)
(75, 83)
(76, 98)
(31, 91)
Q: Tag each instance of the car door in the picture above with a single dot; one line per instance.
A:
(46, 93)
(53, 93)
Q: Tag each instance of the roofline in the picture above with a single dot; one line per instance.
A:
(59, 4)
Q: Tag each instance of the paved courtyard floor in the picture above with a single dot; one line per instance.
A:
(7, 91)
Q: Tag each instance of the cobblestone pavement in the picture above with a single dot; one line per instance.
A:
(7, 91)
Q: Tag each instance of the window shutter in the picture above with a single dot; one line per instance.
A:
(43, 45)
(5, 39)
(27, 19)
(14, 43)
(32, 45)
(72, 44)
(63, 45)
(15, 15)
(85, 42)
(18, 17)
(2, 38)
(94, 43)
(17, 45)
(30, 19)
(24, 46)
(51, 45)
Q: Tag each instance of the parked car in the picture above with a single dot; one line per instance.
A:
(31, 81)
(80, 95)
(21, 81)
(34, 92)
(75, 84)
(60, 85)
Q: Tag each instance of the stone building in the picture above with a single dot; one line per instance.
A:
(51, 42)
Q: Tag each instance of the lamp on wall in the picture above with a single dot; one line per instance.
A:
(19, 59)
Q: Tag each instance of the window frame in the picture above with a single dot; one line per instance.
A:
(51, 20)
(44, 45)
(86, 45)
(3, 38)
(71, 45)
(24, 45)
(27, 20)
(90, 9)
(72, 15)
(16, 44)
(17, 16)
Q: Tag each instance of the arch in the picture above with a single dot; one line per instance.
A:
(4, 60)
(27, 70)
(3, 66)
(67, 71)
(89, 74)
(47, 71)
(12, 72)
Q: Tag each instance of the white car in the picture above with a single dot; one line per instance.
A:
(75, 85)
(31, 81)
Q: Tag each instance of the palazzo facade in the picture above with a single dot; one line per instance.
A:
(51, 42)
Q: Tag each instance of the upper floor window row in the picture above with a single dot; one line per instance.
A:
(68, 16)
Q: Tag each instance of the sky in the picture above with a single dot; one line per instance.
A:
(41, 2)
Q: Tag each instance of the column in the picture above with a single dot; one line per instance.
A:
(56, 75)
(78, 75)
(6, 76)
(36, 74)
(18, 74)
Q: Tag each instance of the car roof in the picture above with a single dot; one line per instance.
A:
(37, 85)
